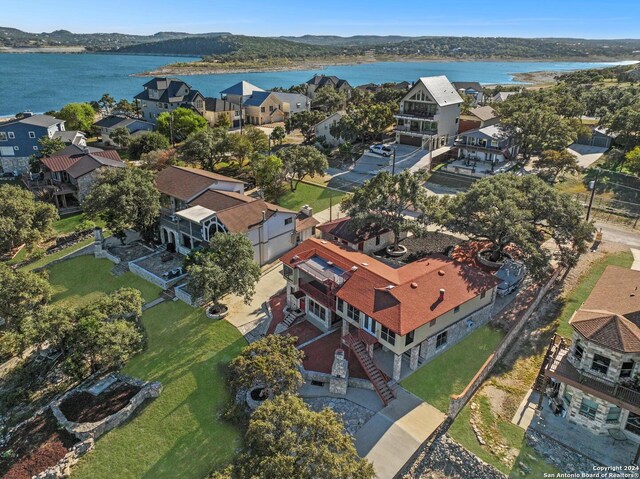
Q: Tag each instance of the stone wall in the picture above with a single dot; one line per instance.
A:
(15, 163)
(152, 278)
(63, 468)
(325, 378)
(457, 402)
(94, 430)
(183, 295)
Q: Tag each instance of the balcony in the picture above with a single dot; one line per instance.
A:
(407, 130)
(559, 367)
(319, 293)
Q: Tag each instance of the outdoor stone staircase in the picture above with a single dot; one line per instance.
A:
(120, 269)
(377, 377)
(288, 320)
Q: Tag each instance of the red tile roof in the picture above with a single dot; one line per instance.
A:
(401, 299)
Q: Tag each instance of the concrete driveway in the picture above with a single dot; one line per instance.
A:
(586, 155)
(395, 433)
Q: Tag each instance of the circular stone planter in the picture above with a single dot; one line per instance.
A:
(482, 257)
(217, 312)
(254, 396)
(401, 251)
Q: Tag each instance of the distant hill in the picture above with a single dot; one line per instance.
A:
(14, 38)
(358, 40)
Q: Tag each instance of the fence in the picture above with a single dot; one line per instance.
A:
(457, 402)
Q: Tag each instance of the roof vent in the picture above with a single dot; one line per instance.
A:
(441, 273)
(295, 258)
(414, 285)
(365, 264)
(442, 294)
(354, 268)
(330, 263)
(323, 242)
(389, 286)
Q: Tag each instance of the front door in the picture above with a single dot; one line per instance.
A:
(303, 304)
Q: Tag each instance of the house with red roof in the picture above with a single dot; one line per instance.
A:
(593, 378)
(68, 175)
(414, 311)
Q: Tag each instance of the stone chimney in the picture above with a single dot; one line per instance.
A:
(307, 210)
(339, 380)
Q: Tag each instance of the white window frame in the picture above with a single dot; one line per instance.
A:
(32, 134)
(35, 148)
(11, 135)
(369, 324)
(3, 136)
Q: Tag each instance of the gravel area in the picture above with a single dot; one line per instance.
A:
(555, 453)
(353, 415)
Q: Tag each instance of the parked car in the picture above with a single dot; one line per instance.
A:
(511, 274)
(381, 149)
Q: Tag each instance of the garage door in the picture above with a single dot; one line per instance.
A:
(410, 140)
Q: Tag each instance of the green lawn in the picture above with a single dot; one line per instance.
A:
(450, 372)
(509, 434)
(83, 279)
(45, 260)
(69, 224)
(315, 196)
(582, 290)
(179, 433)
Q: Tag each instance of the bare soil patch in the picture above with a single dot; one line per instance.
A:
(35, 446)
(85, 407)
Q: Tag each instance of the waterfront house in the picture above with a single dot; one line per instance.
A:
(165, 95)
(487, 144)
(412, 313)
(429, 114)
(68, 175)
(239, 92)
(216, 109)
(594, 376)
(331, 81)
(71, 137)
(470, 88)
(19, 139)
(197, 204)
(501, 96)
(322, 129)
(476, 118)
(135, 126)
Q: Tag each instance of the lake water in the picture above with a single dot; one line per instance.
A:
(42, 82)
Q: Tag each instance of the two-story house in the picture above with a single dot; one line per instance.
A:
(488, 144)
(19, 139)
(197, 204)
(216, 109)
(595, 374)
(415, 311)
(367, 239)
(331, 81)
(108, 124)
(476, 118)
(69, 174)
(470, 88)
(165, 95)
(322, 129)
(429, 114)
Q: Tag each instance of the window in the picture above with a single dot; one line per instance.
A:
(353, 313)
(482, 296)
(432, 323)
(288, 221)
(287, 272)
(35, 148)
(600, 364)
(3, 136)
(567, 396)
(441, 339)
(408, 339)
(377, 240)
(369, 324)
(456, 309)
(32, 134)
(588, 408)
(340, 304)
(16, 148)
(633, 423)
(317, 310)
(262, 109)
(578, 351)
(388, 335)
(12, 135)
(626, 369)
(613, 416)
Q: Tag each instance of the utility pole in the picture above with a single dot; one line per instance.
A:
(393, 166)
(173, 140)
(330, 208)
(593, 185)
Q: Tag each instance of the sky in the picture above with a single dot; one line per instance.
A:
(514, 18)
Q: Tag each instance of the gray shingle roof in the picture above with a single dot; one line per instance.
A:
(44, 121)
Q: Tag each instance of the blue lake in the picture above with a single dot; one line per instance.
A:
(42, 82)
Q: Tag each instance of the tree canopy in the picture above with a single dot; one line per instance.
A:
(152, 141)
(269, 174)
(285, 438)
(180, 123)
(556, 163)
(522, 211)
(300, 161)
(384, 199)
(206, 147)
(48, 146)
(125, 198)
(225, 267)
(77, 116)
(23, 219)
(304, 121)
(329, 99)
(121, 137)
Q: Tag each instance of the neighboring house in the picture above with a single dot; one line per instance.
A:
(217, 108)
(69, 175)
(417, 310)
(595, 373)
(477, 117)
(375, 87)
(322, 81)
(71, 137)
(486, 144)
(197, 204)
(323, 129)
(264, 107)
(600, 137)
(429, 114)
(108, 124)
(165, 95)
(502, 96)
(368, 240)
(306, 224)
(19, 139)
(471, 88)
(239, 92)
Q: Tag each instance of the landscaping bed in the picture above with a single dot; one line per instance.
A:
(83, 406)
(33, 447)
(431, 242)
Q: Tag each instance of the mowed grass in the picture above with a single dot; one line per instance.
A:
(318, 197)
(50, 258)
(81, 280)
(581, 292)
(450, 372)
(179, 433)
(70, 223)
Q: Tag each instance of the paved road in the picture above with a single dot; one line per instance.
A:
(619, 234)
